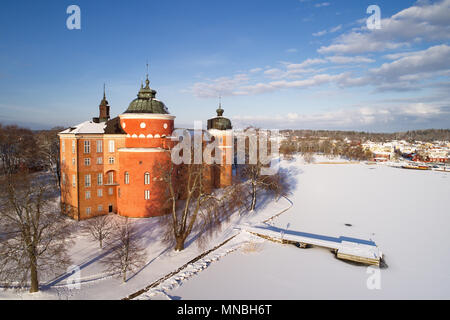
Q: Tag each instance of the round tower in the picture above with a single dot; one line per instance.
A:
(148, 126)
(221, 129)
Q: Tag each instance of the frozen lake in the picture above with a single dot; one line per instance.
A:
(405, 212)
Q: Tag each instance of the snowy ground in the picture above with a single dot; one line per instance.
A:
(162, 260)
(405, 212)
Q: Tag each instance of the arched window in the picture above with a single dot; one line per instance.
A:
(111, 177)
(147, 178)
(127, 178)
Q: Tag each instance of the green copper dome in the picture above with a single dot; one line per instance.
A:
(146, 102)
(219, 122)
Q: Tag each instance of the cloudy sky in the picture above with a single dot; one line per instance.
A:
(306, 64)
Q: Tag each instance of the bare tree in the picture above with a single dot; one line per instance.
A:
(190, 203)
(99, 228)
(126, 255)
(17, 149)
(253, 171)
(309, 157)
(49, 151)
(36, 238)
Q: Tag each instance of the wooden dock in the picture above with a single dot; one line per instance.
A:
(356, 250)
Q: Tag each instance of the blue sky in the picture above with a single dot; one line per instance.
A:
(307, 64)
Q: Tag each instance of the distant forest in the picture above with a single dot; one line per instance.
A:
(429, 135)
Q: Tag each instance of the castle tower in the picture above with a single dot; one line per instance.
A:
(104, 108)
(148, 126)
(221, 129)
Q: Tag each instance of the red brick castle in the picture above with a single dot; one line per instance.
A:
(107, 165)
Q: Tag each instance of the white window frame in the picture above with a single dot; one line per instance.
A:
(110, 191)
(99, 146)
(111, 160)
(99, 179)
(63, 146)
(87, 180)
(88, 211)
(127, 178)
(87, 161)
(87, 195)
(147, 178)
(74, 181)
(99, 193)
(87, 146)
(100, 160)
(73, 146)
(111, 146)
(147, 195)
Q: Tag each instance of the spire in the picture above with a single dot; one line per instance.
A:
(104, 101)
(147, 82)
(220, 111)
(104, 107)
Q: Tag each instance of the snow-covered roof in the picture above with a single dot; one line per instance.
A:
(86, 127)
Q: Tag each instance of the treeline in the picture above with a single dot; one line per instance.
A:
(326, 147)
(24, 149)
(429, 135)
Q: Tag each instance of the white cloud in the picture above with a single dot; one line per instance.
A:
(347, 60)
(324, 32)
(415, 65)
(374, 117)
(427, 21)
(322, 4)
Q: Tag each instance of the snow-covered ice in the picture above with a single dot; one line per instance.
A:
(405, 212)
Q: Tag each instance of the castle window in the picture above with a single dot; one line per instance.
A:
(73, 146)
(74, 181)
(99, 160)
(110, 191)
(87, 180)
(147, 195)
(100, 179)
(87, 161)
(99, 193)
(143, 125)
(111, 160)
(127, 178)
(111, 146)
(100, 208)
(88, 195)
(147, 178)
(73, 161)
(110, 177)
(99, 146)
(87, 146)
(88, 211)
